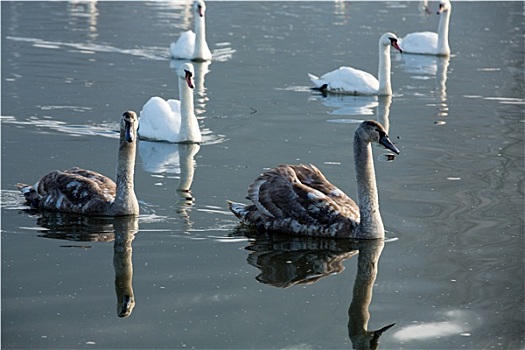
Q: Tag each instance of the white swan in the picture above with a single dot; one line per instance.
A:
(190, 45)
(298, 199)
(87, 192)
(429, 43)
(346, 80)
(172, 120)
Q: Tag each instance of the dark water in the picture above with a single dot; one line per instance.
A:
(451, 273)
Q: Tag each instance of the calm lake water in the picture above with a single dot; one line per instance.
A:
(451, 272)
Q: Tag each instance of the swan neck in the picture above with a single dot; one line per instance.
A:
(200, 37)
(370, 225)
(125, 200)
(383, 74)
(189, 127)
(443, 46)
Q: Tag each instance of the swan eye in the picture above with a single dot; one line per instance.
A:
(188, 73)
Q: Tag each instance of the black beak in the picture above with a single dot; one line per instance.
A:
(130, 134)
(385, 141)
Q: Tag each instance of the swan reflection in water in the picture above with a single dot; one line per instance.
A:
(163, 159)
(120, 230)
(285, 261)
(345, 105)
(422, 67)
(360, 106)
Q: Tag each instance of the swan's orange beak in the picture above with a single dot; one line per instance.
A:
(189, 79)
(200, 11)
(395, 45)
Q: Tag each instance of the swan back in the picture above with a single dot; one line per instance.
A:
(87, 192)
(298, 199)
(160, 120)
(184, 47)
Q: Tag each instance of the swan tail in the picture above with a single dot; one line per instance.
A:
(30, 194)
(315, 80)
(320, 85)
(247, 213)
(238, 209)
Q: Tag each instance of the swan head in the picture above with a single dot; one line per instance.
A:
(129, 124)
(373, 131)
(187, 73)
(444, 5)
(390, 39)
(199, 7)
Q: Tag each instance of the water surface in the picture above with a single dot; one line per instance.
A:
(450, 274)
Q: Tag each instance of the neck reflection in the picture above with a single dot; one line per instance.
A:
(286, 261)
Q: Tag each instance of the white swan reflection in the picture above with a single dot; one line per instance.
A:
(165, 159)
(344, 105)
(422, 67)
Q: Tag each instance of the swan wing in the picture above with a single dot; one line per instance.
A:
(76, 191)
(312, 177)
(159, 120)
(347, 80)
(175, 106)
(184, 46)
(302, 194)
(101, 180)
(420, 43)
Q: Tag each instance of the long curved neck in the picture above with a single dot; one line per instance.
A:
(383, 74)
(200, 37)
(371, 225)
(442, 46)
(189, 127)
(125, 200)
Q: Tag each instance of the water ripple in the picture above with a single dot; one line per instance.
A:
(154, 53)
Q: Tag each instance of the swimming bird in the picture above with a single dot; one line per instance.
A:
(429, 43)
(190, 45)
(347, 80)
(87, 192)
(172, 120)
(298, 199)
